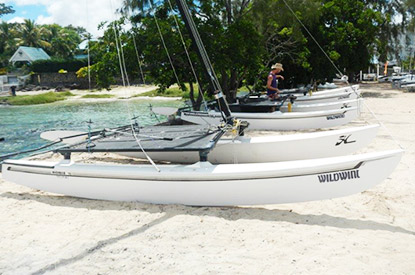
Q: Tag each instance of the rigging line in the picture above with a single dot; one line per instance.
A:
(118, 50)
(145, 153)
(301, 23)
(202, 51)
(164, 45)
(122, 54)
(187, 53)
(136, 48)
(119, 57)
(138, 58)
(207, 57)
(123, 58)
(128, 105)
(383, 125)
(89, 68)
(199, 44)
(89, 56)
(341, 74)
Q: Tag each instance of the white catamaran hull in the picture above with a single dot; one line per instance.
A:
(311, 107)
(207, 184)
(278, 120)
(327, 97)
(353, 88)
(276, 148)
(324, 97)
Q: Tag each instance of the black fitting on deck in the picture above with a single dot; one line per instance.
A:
(67, 155)
(223, 106)
(203, 155)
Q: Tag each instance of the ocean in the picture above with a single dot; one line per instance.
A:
(21, 126)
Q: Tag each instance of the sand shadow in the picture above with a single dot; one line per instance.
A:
(228, 213)
(170, 211)
(377, 95)
(101, 244)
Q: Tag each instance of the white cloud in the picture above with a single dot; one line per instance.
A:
(86, 13)
(44, 20)
(16, 19)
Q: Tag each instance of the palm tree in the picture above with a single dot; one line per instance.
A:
(5, 9)
(65, 43)
(33, 36)
(130, 5)
(7, 42)
(6, 37)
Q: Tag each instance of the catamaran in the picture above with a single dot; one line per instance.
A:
(206, 184)
(232, 149)
(202, 183)
(277, 120)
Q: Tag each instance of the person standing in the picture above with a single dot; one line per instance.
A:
(13, 90)
(272, 82)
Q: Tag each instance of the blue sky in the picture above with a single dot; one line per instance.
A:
(85, 13)
(29, 12)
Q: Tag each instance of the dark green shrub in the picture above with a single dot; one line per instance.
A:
(54, 65)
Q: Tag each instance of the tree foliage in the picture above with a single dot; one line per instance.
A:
(5, 9)
(57, 41)
(55, 64)
(347, 31)
(242, 38)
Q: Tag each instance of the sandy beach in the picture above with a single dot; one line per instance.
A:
(368, 233)
(117, 93)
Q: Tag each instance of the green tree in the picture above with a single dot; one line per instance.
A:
(63, 41)
(5, 9)
(103, 53)
(232, 43)
(7, 35)
(244, 37)
(347, 31)
(284, 38)
(7, 42)
(31, 35)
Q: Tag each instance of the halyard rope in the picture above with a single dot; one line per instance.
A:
(129, 110)
(164, 44)
(138, 58)
(187, 54)
(89, 56)
(341, 74)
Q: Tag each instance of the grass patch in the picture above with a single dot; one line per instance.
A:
(97, 96)
(37, 99)
(171, 92)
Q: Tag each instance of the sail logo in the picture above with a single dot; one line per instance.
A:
(344, 140)
(333, 117)
(344, 96)
(339, 176)
(60, 174)
(200, 114)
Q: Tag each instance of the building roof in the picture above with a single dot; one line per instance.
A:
(81, 56)
(29, 54)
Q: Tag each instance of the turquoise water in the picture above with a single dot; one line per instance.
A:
(21, 126)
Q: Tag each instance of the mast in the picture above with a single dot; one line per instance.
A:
(214, 84)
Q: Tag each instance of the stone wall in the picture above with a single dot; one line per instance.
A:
(70, 80)
(54, 80)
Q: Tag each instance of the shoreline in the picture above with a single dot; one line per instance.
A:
(117, 93)
(372, 232)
